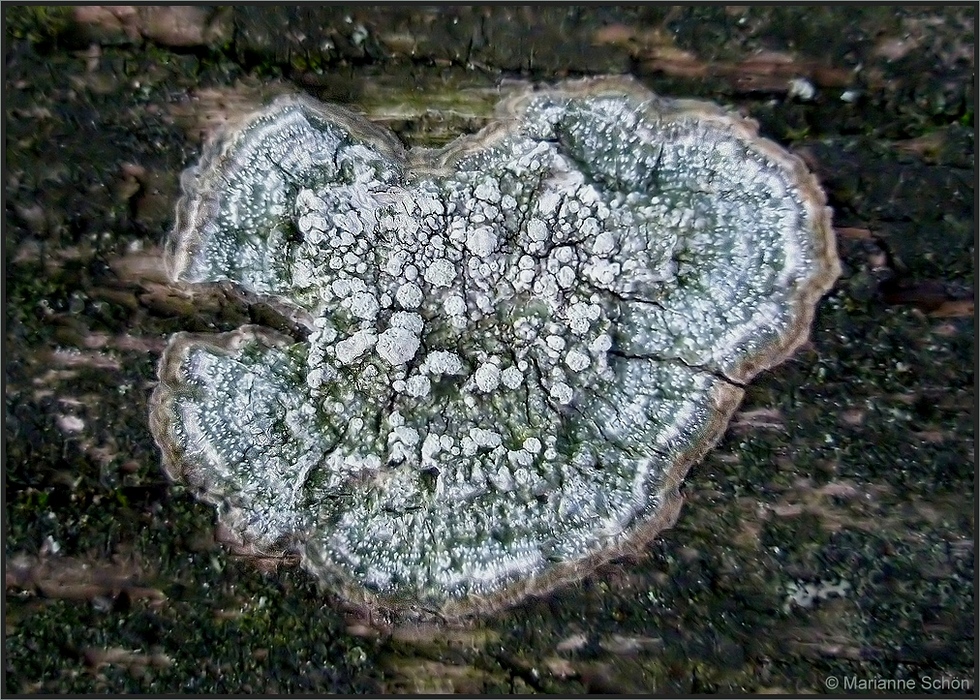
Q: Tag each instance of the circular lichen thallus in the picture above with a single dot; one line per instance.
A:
(512, 348)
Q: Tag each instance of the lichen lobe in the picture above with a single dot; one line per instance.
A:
(517, 344)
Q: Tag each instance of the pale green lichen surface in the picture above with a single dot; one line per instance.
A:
(517, 345)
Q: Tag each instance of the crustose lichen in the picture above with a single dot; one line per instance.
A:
(517, 345)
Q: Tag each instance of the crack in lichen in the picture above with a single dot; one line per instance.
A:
(654, 357)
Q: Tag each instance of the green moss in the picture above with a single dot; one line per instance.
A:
(263, 646)
(36, 23)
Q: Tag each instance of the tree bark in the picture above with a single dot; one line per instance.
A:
(830, 535)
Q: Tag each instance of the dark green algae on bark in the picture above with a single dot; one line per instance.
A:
(831, 532)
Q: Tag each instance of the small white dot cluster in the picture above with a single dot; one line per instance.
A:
(503, 361)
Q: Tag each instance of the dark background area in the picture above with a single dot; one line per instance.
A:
(831, 534)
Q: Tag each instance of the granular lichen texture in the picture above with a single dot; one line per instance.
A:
(513, 349)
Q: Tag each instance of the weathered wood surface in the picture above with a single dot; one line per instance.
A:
(832, 532)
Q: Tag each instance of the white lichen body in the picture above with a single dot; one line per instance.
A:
(516, 345)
